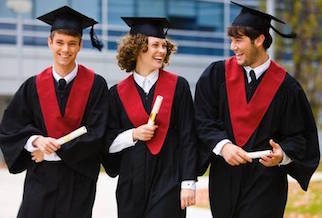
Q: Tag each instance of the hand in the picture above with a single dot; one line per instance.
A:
(46, 144)
(37, 156)
(187, 197)
(144, 132)
(275, 157)
(234, 155)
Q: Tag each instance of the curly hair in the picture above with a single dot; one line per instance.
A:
(130, 46)
(237, 31)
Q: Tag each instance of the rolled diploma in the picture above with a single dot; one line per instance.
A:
(76, 133)
(155, 110)
(258, 154)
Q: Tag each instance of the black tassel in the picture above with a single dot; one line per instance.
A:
(290, 35)
(96, 43)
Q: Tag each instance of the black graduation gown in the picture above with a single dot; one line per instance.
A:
(149, 185)
(55, 189)
(253, 190)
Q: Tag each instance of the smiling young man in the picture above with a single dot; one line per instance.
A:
(156, 163)
(61, 181)
(249, 103)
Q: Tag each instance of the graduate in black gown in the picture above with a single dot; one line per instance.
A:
(61, 181)
(249, 103)
(156, 163)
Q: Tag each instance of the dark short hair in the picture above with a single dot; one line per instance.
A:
(238, 31)
(66, 32)
(130, 46)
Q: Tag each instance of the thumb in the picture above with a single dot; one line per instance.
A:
(273, 144)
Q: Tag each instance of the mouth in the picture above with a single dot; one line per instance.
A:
(158, 59)
(238, 55)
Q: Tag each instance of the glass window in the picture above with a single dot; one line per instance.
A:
(234, 11)
(118, 9)
(89, 8)
(211, 16)
(150, 8)
(179, 8)
(41, 7)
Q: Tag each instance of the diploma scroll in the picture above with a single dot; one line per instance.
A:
(76, 133)
(155, 110)
(258, 154)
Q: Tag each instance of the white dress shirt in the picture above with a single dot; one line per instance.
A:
(259, 70)
(125, 139)
(28, 146)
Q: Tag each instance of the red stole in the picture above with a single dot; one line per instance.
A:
(57, 125)
(245, 117)
(131, 100)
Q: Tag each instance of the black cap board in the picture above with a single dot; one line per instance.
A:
(258, 20)
(68, 18)
(149, 26)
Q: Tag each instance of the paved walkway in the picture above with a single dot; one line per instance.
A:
(105, 204)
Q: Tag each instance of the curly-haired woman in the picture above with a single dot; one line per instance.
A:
(156, 163)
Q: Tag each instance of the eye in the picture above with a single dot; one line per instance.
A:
(155, 45)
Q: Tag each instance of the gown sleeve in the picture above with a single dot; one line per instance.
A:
(186, 128)
(298, 136)
(17, 126)
(210, 126)
(111, 161)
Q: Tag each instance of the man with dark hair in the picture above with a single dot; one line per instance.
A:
(61, 181)
(245, 104)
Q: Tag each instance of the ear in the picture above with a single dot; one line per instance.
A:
(49, 41)
(80, 43)
(260, 40)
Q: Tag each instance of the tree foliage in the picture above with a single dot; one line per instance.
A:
(305, 18)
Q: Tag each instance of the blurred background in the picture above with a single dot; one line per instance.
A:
(197, 26)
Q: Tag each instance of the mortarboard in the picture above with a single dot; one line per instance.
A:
(149, 26)
(67, 18)
(258, 20)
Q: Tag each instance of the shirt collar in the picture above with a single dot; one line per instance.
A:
(259, 70)
(147, 82)
(69, 77)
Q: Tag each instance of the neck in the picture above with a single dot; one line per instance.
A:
(260, 59)
(144, 73)
(64, 70)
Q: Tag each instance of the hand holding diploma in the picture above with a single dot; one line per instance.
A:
(275, 157)
(48, 145)
(145, 132)
(234, 155)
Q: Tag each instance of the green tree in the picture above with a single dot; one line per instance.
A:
(305, 18)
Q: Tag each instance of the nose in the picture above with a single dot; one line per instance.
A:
(233, 46)
(65, 47)
(162, 49)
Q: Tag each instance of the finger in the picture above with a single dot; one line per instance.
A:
(183, 203)
(273, 144)
(239, 159)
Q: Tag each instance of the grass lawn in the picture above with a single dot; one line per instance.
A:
(302, 204)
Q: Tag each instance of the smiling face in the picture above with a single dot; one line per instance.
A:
(248, 52)
(153, 58)
(65, 49)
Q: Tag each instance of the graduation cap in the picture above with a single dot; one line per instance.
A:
(67, 18)
(149, 26)
(258, 20)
